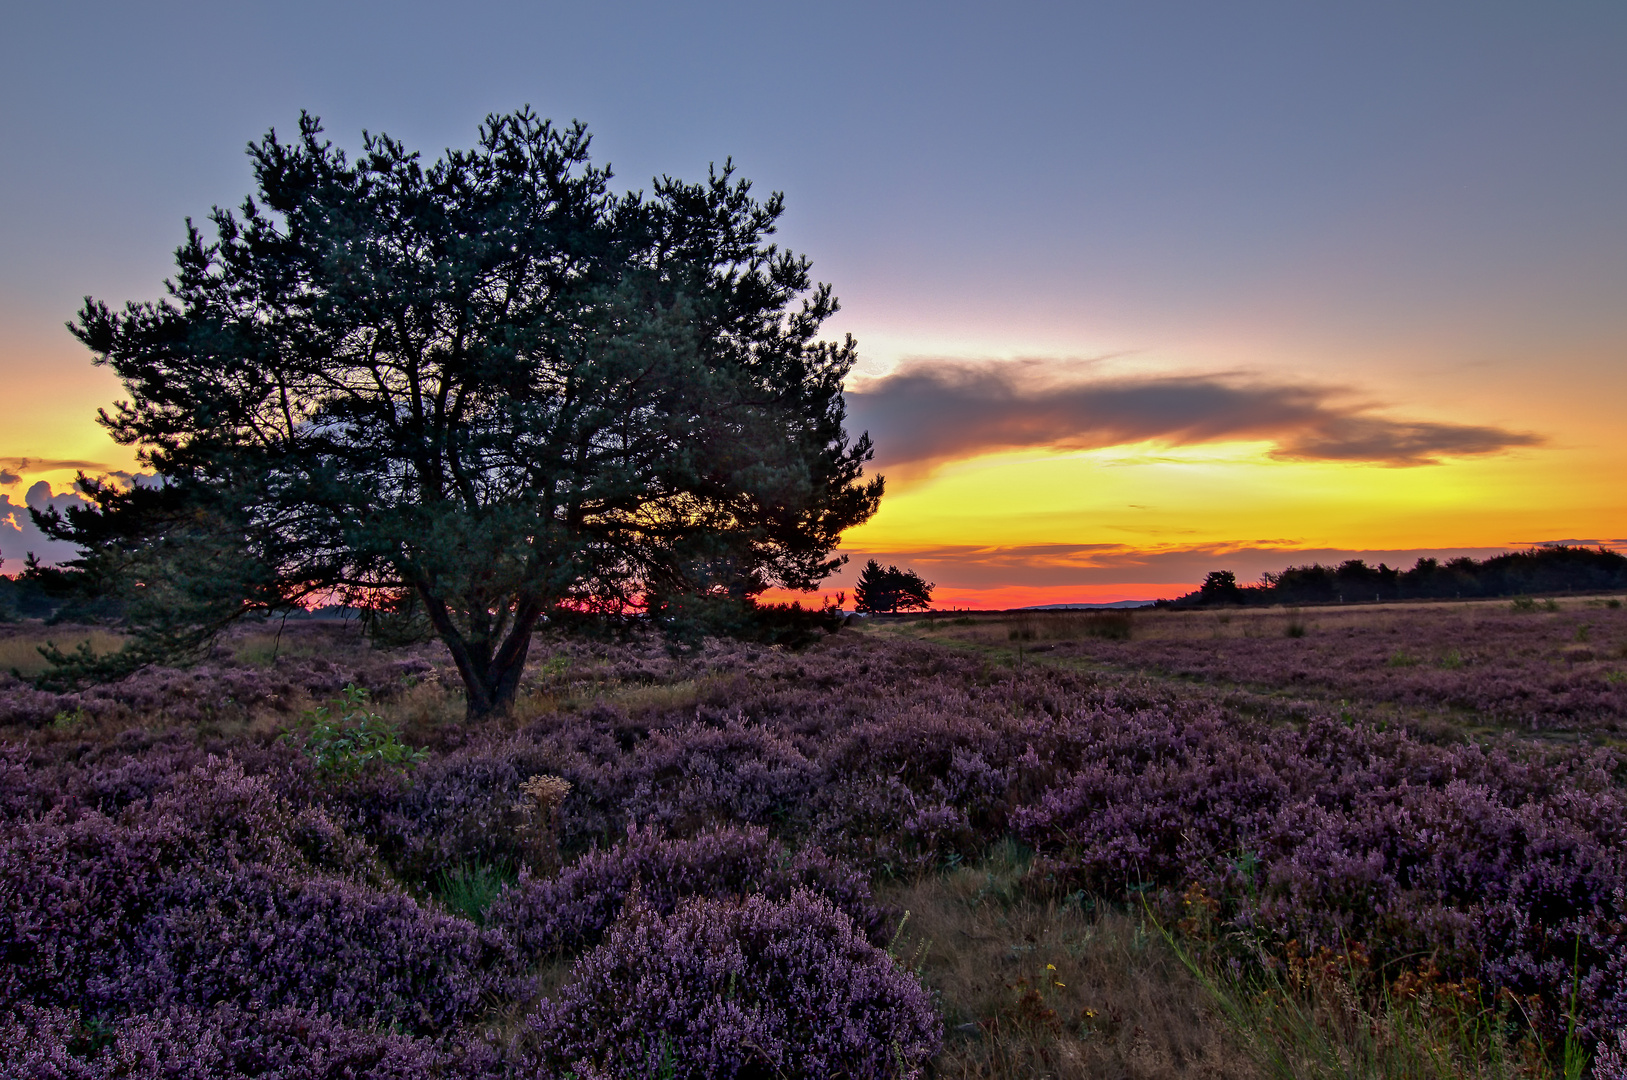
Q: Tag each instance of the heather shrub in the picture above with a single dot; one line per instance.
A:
(205, 895)
(1610, 1060)
(738, 988)
(224, 1043)
(1509, 869)
(571, 911)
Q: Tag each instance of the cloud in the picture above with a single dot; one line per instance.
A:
(19, 535)
(934, 411)
(7, 477)
(38, 465)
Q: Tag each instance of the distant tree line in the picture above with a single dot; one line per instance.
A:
(54, 594)
(1556, 569)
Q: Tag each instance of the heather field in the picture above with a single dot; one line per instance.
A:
(1363, 841)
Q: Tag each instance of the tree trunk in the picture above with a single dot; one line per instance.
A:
(491, 680)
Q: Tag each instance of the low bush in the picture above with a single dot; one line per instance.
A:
(567, 913)
(224, 1043)
(738, 988)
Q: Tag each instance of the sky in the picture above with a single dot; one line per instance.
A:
(1140, 290)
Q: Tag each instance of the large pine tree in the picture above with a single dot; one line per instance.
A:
(487, 387)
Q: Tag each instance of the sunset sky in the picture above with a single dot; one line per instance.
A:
(1141, 290)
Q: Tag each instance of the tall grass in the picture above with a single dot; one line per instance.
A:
(21, 652)
(469, 888)
(1072, 625)
(1330, 1016)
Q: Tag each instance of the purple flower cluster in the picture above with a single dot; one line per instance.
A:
(571, 911)
(1539, 670)
(224, 1043)
(738, 988)
(321, 659)
(1493, 864)
(205, 895)
(141, 880)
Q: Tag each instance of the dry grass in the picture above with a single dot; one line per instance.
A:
(1043, 989)
(1163, 624)
(20, 651)
(262, 648)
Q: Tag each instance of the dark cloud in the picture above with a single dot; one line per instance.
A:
(7, 477)
(37, 465)
(937, 411)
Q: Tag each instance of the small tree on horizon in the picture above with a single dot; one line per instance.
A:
(880, 590)
(482, 389)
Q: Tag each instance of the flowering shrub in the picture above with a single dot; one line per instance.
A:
(1611, 1060)
(569, 912)
(1557, 671)
(224, 1043)
(729, 988)
(205, 897)
(139, 878)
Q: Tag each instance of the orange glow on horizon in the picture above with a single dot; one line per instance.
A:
(1011, 596)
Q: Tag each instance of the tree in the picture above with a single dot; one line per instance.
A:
(485, 389)
(892, 589)
(1220, 587)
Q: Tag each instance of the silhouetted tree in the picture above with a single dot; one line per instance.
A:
(891, 589)
(487, 388)
(1555, 568)
(1220, 587)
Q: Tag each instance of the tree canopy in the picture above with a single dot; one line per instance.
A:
(882, 590)
(479, 390)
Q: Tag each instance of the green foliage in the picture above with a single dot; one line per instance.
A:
(469, 394)
(890, 589)
(469, 889)
(343, 738)
(688, 618)
(1522, 605)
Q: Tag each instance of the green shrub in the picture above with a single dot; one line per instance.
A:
(343, 738)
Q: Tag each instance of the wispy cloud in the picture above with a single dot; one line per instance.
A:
(18, 465)
(934, 411)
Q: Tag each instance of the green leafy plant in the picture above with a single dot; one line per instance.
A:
(68, 721)
(343, 738)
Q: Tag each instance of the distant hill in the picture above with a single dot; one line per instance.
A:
(1555, 569)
